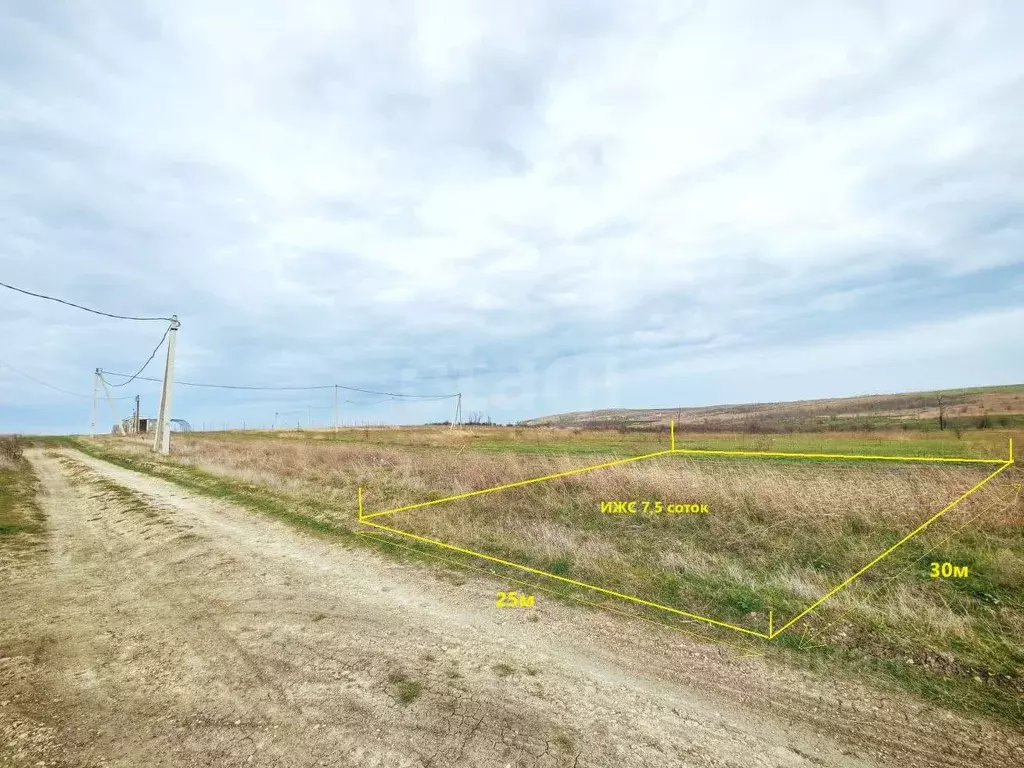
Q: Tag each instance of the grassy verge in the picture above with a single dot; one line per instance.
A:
(781, 534)
(19, 511)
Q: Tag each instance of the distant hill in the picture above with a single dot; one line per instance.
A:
(979, 407)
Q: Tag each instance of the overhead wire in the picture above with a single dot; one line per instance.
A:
(287, 388)
(132, 377)
(223, 386)
(375, 402)
(79, 306)
(395, 394)
(148, 361)
(52, 386)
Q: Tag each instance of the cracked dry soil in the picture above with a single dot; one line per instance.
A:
(159, 628)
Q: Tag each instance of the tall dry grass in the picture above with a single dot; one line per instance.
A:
(790, 528)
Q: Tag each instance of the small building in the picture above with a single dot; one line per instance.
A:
(131, 426)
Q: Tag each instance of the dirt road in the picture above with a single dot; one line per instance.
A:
(160, 628)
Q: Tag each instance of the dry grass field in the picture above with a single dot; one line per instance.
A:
(778, 533)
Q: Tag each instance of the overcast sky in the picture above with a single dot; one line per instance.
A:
(547, 206)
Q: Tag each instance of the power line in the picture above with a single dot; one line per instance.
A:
(148, 361)
(288, 389)
(79, 306)
(395, 394)
(40, 381)
(51, 386)
(221, 386)
(374, 402)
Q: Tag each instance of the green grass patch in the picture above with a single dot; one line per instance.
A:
(19, 508)
(406, 690)
(409, 691)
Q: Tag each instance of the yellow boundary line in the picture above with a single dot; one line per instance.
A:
(514, 485)
(538, 572)
(889, 551)
(747, 650)
(685, 451)
(772, 631)
(995, 506)
(779, 454)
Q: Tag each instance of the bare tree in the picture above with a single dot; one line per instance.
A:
(476, 417)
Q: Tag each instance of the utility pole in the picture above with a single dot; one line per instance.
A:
(335, 408)
(458, 412)
(309, 416)
(113, 411)
(95, 392)
(162, 440)
(136, 419)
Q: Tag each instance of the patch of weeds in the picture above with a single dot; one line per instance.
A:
(564, 742)
(7, 528)
(408, 690)
(667, 589)
(11, 449)
(742, 598)
(562, 566)
(503, 670)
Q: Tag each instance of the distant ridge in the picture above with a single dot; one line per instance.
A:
(973, 408)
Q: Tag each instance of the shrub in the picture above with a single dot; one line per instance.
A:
(11, 448)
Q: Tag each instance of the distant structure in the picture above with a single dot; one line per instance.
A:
(136, 424)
